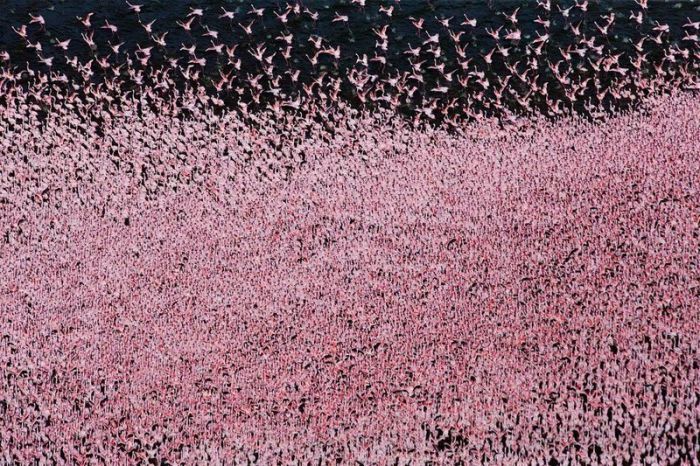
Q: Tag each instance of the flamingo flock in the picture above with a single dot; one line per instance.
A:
(340, 263)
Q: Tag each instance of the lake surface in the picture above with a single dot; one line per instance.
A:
(355, 38)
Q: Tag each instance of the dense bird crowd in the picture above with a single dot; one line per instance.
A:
(247, 272)
(180, 290)
(568, 59)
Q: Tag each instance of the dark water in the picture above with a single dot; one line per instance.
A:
(355, 37)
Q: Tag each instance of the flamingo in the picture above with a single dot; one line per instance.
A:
(187, 25)
(148, 27)
(134, 8)
(259, 12)
(63, 45)
(340, 18)
(37, 20)
(471, 22)
(388, 11)
(111, 27)
(196, 12)
(690, 24)
(227, 14)
(417, 23)
(85, 21)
